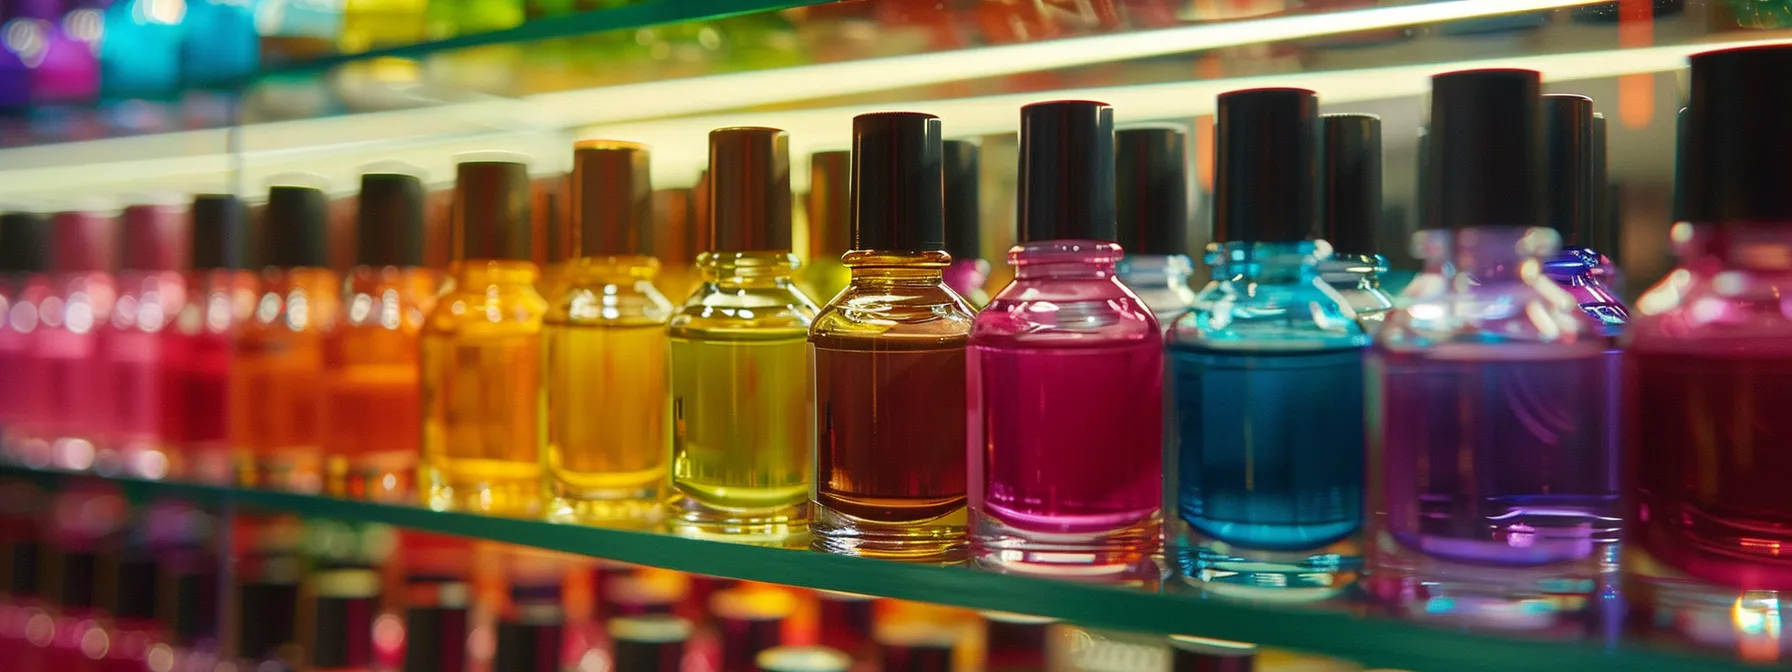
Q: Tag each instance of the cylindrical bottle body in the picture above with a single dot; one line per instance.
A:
(372, 410)
(277, 379)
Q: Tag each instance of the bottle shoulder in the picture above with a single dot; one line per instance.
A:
(598, 301)
(1295, 315)
(1534, 312)
(488, 309)
(1701, 306)
(776, 310)
(1066, 313)
(905, 310)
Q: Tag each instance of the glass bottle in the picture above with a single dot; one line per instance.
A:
(1708, 368)
(1267, 373)
(83, 252)
(829, 208)
(279, 357)
(221, 300)
(889, 360)
(741, 381)
(605, 342)
(371, 393)
(1151, 169)
(649, 643)
(140, 346)
(1350, 214)
(1498, 375)
(675, 242)
(969, 271)
(481, 353)
(1573, 196)
(24, 259)
(1065, 371)
(268, 572)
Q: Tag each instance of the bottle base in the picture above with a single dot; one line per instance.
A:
(1667, 605)
(784, 526)
(136, 458)
(389, 477)
(1558, 599)
(1225, 570)
(1096, 555)
(290, 469)
(638, 513)
(507, 498)
(938, 540)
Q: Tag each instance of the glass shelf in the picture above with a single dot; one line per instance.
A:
(1144, 604)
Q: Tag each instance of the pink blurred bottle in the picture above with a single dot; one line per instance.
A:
(24, 258)
(220, 295)
(140, 344)
(1065, 371)
(75, 387)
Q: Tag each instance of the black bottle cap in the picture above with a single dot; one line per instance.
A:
(1430, 217)
(897, 197)
(23, 580)
(1266, 165)
(649, 643)
(24, 242)
(964, 202)
(194, 614)
(801, 659)
(1194, 654)
(1605, 237)
(1568, 155)
(1067, 171)
(612, 198)
(1151, 178)
(491, 211)
(435, 639)
(1737, 169)
(220, 232)
(342, 633)
(749, 190)
(82, 242)
(155, 238)
(79, 573)
(269, 618)
(829, 204)
(135, 589)
(1350, 182)
(1682, 129)
(297, 227)
(390, 230)
(528, 646)
(1487, 148)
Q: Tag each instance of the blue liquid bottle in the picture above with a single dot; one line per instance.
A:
(1267, 371)
(1151, 207)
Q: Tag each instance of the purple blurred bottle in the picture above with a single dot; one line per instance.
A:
(969, 272)
(1575, 179)
(1493, 490)
(1065, 370)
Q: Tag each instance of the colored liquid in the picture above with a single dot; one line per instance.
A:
(889, 427)
(1709, 437)
(1068, 440)
(76, 383)
(741, 420)
(1496, 459)
(372, 407)
(1271, 445)
(606, 431)
(481, 408)
(279, 375)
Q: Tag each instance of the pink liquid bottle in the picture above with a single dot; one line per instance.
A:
(83, 251)
(1065, 385)
(1708, 376)
(140, 343)
(220, 296)
(24, 258)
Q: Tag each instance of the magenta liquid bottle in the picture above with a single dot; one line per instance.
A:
(24, 257)
(1492, 494)
(1065, 368)
(220, 296)
(83, 252)
(1708, 371)
(140, 344)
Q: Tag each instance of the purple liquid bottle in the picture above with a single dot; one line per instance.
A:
(1492, 485)
(1065, 371)
(1575, 148)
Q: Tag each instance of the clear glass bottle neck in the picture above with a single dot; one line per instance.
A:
(1284, 263)
(487, 272)
(747, 269)
(617, 270)
(1489, 254)
(879, 267)
(1750, 246)
(1353, 271)
(1065, 260)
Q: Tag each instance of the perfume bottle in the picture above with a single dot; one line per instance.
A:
(83, 253)
(969, 271)
(1573, 195)
(675, 242)
(650, 643)
(436, 624)
(279, 357)
(1350, 214)
(140, 347)
(24, 259)
(1151, 177)
(889, 360)
(1016, 642)
(1267, 372)
(269, 570)
(344, 603)
(371, 398)
(481, 353)
(1065, 371)
(605, 346)
(741, 403)
(532, 631)
(829, 207)
(1708, 363)
(1499, 376)
(221, 299)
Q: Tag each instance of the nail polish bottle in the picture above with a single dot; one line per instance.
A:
(801, 659)
(83, 254)
(278, 364)
(1350, 214)
(748, 621)
(22, 534)
(134, 632)
(917, 647)
(1708, 367)
(188, 604)
(889, 360)
(221, 299)
(481, 353)
(605, 344)
(829, 205)
(219, 45)
(675, 242)
(1500, 376)
(24, 284)
(653, 643)
(140, 55)
(847, 620)
(1572, 202)
(1151, 178)
(270, 571)
(436, 625)
(1432, 242)
(532, 631)
(1065, 371)
(140, 347)
(84, 523)
(345, 602)
(65, 66)
(969, 271)
(1015, 642)
(1267, 374)
(742, 408)
(1197, 654)
(371, 391)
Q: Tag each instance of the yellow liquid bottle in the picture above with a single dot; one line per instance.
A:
(741, 376)
(481, 354)
(605, 339)
(829, 208)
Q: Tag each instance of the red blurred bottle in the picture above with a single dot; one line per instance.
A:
(23, 284)
(140, 344)
(220, 295)
(83, 249)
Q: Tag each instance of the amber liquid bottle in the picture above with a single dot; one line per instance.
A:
(481, 354)
(890, 361)
(371, 399)
(605, 340)
(277, 370)
(829, 207)
(741, 407)
(675, 242)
